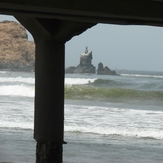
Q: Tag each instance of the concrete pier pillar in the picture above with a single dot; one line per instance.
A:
(49, 100)
(50, 36)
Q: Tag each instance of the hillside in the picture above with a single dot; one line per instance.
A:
(16, 52)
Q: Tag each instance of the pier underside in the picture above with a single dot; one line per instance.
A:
(52, 23)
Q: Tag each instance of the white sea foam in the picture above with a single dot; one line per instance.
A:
(17, 114)
(71, 81)
(114, 121)
(3, 72)
(143, 76)
(141, 133)
(95, 120)
(17, 79)
(17, 125)
(17, 90)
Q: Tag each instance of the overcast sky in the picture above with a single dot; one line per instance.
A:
(117, 46)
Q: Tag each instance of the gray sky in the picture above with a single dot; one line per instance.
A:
(118, 47)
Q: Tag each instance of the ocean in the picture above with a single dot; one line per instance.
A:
(108, 119)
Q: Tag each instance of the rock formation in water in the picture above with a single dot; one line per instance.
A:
(85, 65)
(104, 70)
(16, 52)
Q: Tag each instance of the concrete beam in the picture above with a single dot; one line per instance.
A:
(104, 11)
(59, 29)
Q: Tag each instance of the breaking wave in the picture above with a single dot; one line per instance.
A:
(110, 94)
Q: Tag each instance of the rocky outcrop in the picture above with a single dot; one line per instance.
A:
(85, 65)
(16, 52)
(70, 70)
(104, 70)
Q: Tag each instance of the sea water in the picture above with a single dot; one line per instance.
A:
(108, 119)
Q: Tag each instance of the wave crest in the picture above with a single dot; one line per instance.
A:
(140, 133)
(110, 94)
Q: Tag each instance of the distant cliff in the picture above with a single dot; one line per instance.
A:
(16, 52)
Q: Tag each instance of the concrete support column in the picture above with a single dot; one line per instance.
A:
(50, 36)
(49, 100)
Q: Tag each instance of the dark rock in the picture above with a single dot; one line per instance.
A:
(104, 70)
(70, 69)
(100, 68)
(85, 69)
(85, 65)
